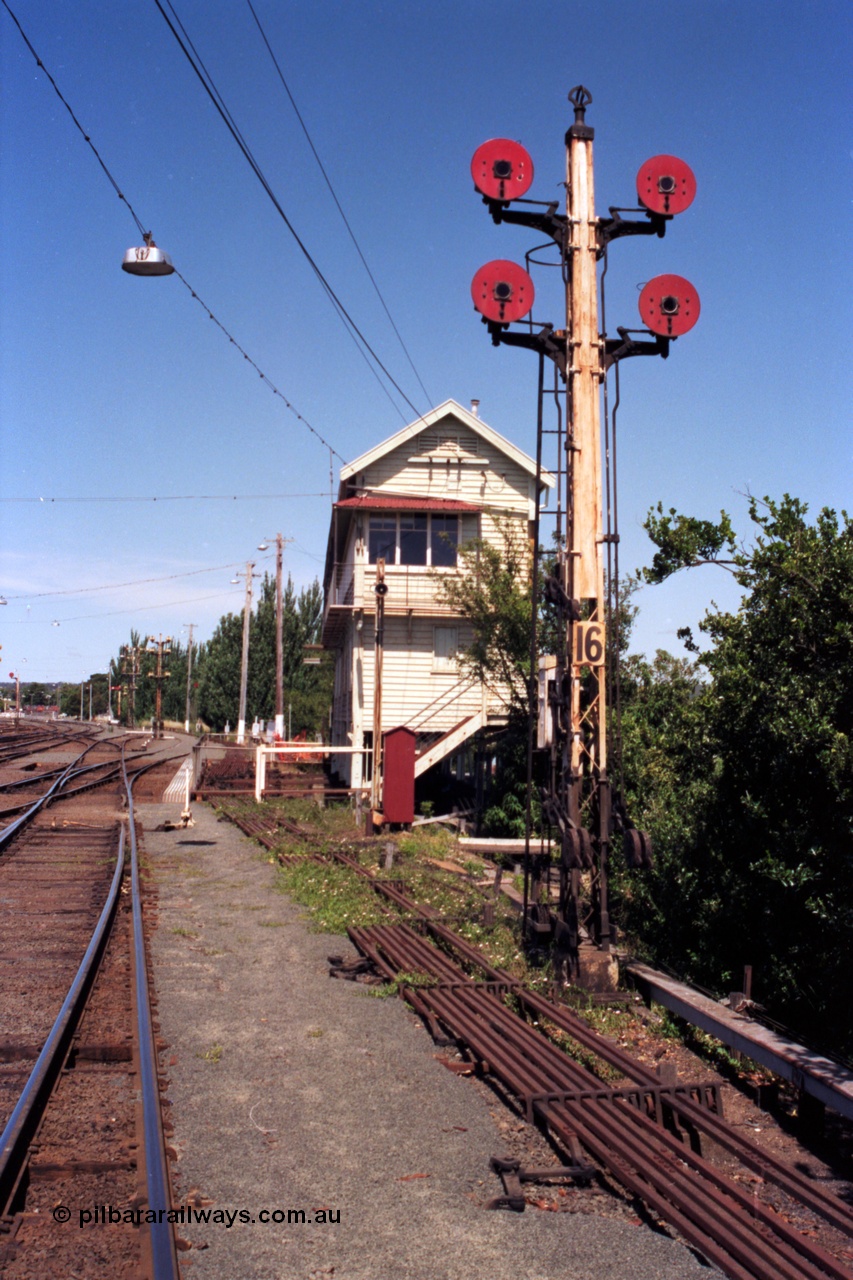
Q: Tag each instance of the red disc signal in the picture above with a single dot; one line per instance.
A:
(502, 169)
(502, 291)
(666, 185)
(669, 305)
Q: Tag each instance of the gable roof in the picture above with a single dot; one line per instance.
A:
(452, 408)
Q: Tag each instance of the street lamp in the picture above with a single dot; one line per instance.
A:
(147, 259)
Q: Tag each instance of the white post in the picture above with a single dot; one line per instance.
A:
(260, 774)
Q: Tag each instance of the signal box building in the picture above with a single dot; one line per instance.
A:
(414, 501)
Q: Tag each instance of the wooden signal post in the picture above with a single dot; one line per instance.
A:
(577, 798)
(587, 787)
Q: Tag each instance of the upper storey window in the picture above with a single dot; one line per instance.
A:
(419, 538)
(383, 539)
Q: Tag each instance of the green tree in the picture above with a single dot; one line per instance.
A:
(754, 781)
(306, 689)
(493, 592)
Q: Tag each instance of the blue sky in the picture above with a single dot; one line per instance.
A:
(115, 388)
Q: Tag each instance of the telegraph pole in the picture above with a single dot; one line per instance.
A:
(190, 627)
(279, 632)
(244, 660)
(162, 648)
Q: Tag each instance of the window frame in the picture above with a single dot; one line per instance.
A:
(398, 517)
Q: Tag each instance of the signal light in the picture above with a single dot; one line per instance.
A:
(666, 185)
(669, 306)
(502, 169)
(502, 291)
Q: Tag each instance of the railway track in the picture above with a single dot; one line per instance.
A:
(652, 1138)
(79, 1089)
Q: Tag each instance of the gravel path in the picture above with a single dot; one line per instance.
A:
(290, 1091)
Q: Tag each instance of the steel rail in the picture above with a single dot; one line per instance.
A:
(26, 1117)
(61, 790)
(714, 1214)
(763, 1163)
(158, 1189)
(9, 831)
(713, 1125)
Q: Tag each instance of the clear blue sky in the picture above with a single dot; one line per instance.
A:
(116, 388)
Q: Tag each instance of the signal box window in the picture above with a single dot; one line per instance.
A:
(383, 539)
(413, 539)
(445, 648)
(444, 539)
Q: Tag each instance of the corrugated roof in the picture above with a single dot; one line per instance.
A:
(393, 502)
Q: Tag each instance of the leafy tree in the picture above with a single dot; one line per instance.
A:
(747, 776)
(307, 690)
(493, 592)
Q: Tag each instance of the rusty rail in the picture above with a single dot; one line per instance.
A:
(623, 1128)
(631, 1131)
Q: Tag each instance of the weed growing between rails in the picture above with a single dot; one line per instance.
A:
(336, 898)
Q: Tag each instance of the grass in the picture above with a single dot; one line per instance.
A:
(185, 933)
(213, 1054)
(336, 898)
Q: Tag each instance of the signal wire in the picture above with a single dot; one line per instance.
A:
(300, 417)
(334, 196)
(215, 97)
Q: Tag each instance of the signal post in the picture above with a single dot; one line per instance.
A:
(576, 684)
(587, 793)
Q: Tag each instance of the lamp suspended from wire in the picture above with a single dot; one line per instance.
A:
(147, 259)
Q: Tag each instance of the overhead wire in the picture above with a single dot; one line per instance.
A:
(174, 497)
(115, 613)
(334, 196)
(216, 98)
(136, 582)
(292, 408)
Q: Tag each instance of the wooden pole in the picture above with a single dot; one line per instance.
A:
(589, 801)
(244, 657)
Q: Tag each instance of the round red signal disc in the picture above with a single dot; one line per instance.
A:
(669, 305)
(502, 291)
(502, 169)
(666, 185)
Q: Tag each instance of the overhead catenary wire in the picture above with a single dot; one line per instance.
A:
(185, 45)
(140, 226)
(334, 196)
